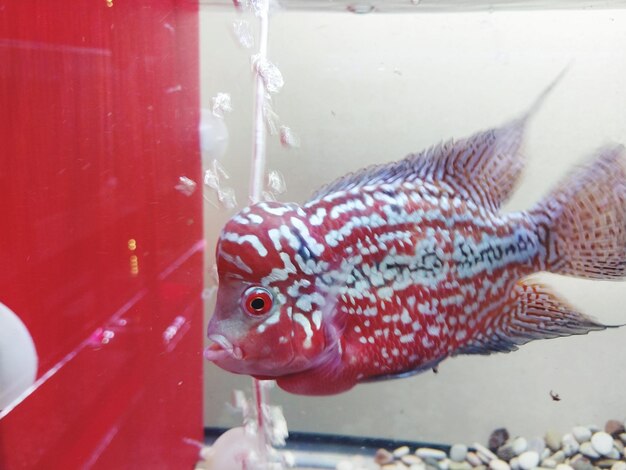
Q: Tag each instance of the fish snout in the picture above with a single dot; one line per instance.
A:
(222, 348)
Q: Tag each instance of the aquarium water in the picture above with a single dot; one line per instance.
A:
(296, 94)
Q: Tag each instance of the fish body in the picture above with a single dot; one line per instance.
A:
(388, 271)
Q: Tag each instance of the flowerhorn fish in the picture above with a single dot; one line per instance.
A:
(388, 271)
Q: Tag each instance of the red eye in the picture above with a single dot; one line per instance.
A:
(257, 301)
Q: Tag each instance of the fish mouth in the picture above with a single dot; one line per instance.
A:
(222, 349)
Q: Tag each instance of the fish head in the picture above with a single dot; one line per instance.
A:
(268, 318)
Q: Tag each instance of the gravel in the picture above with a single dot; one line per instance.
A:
(581, 448)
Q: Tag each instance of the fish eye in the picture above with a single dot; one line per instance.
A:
(257, 300)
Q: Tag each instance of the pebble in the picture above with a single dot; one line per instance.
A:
(569, 445)
(587, 450)
(614, 427)
(602, 450)
(553, 440)
(483, 453)
(537, 444)
(602, 442)
(498, 438)
(605, 463)
(411, 459)
(458, 452)
(497, 464)
(581, 464)
(520, 445)
(549, 463)
(563, 466)
(558, 456)
(401, 451)
(347, 465)
(383, 456)
(528, 460)
(473, 459)
(460, 465)
(581, 434)
(506, 452)
(432, 454)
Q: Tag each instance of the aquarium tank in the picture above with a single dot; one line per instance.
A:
(313, 234)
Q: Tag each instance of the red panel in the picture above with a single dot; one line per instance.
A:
(99, 120)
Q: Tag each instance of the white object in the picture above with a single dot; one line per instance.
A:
(401, 451)
(213, 136)
(582, 434)
(18, 357)
(588, 451)
(563, 466)
(233, 450)
(602, 442)
(528, 460)
(428, 453)
(458, 452)
(570, 444)
(520, 445)
(497, 464)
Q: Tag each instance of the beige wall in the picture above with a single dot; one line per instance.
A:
(372, 88)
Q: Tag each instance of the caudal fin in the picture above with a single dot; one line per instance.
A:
(584, 219)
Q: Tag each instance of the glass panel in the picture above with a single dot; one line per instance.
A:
(362, 90)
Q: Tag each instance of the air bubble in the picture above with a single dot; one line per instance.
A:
(288, 138)
(172, 330)
(185, 185)
(279, 431)
(243, 33)
(276, 182)
(268, 196)
(260, 7)
(271, 118)
(227, 197)
(217, 173)
(213, 275)
(213, 135)
(208, 292)
(240, 403)
(221, 104)
(213, 178)
(272, 78)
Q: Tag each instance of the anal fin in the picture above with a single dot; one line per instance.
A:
(430, 365)
(533, 312)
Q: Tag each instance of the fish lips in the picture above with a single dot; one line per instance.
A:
(222, 349)
(224, 354)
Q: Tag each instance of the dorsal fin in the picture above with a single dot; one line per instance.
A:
(484, 167)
